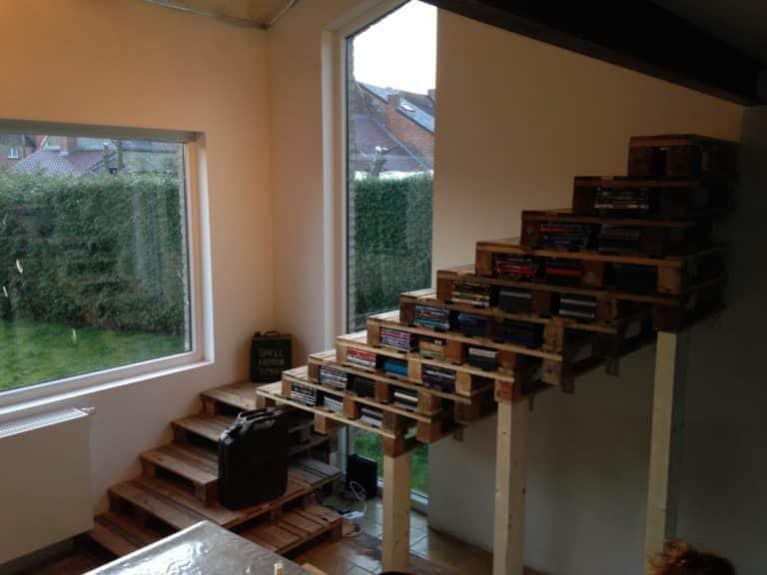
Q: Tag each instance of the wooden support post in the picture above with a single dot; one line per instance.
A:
(510, 486)
(665, 443)
(395, 555)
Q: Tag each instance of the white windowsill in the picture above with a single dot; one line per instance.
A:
(24, 401)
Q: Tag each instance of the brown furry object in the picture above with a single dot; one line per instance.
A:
(679, 558)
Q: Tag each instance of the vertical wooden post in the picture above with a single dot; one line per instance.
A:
(396, 513)
(665, 442)
(510, 486)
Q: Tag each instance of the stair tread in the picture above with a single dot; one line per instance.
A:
(315, 472)
(178, 508)
(240, 395)
(168, 509)
(120, 534)
(294, 528)
(197, 465)
(208, 426)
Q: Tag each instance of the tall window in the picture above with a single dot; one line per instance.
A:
(391, 102)
(94, 267)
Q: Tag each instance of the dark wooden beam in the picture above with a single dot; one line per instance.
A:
(635, 34)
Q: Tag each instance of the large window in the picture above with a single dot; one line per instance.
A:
(390, 119)
(94, 263)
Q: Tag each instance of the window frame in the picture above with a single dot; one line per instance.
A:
(335, 185)
(198, 263)
(13, 153)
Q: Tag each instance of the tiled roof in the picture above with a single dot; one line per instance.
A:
(53, 163)
(368, 135)
(419, 116)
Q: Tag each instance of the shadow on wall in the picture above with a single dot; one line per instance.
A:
(724, 468)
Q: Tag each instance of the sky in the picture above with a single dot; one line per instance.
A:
(399, 51)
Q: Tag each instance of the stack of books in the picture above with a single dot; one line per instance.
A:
(512, 300)
(363, 386)
(619, 239)
(430, 317)
(371, 415)
(398, 339)
(472, 325)
(333, 404)
(564, 271)
(625, 201)
(516, 267)
(580, 307)
(520, 333)
(305, 395)
(478, 295)
(482, 358)
(360, 357)
(406, 399)
(564, 235)
(438, 378)
(433, 348)
(335, 378)
(395, 367)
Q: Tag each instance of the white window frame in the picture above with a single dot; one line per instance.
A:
(199, 268)
(335, 181)
(13, 153)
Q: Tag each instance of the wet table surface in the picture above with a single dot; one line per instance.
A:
(202, 549)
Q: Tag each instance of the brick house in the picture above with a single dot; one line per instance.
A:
(391, 128)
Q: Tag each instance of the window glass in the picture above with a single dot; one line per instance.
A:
(391, 105)
(93, 256)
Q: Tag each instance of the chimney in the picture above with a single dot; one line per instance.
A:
(68, 145)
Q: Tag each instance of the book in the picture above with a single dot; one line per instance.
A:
(361, 358)
(433, 348)
(335, 378)
(431, 317)
(398, 339)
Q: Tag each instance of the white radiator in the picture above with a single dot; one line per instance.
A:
(45, 487)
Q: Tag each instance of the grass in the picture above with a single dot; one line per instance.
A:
(32, 352)
(369, 445)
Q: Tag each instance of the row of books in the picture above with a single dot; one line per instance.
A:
(619, 200)
(482, 358)
(470, 293)
(371, 415)
(333, 404)
(406, 399)
(395, 367)
(398, 339)
(431, 317)
(439, 378)
(303, 394)
(564, 235)
(433, 348)
(516, 267)
(362, 358)
(334, 378)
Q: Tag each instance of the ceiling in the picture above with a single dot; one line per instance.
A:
(256, 13)
(740, 23)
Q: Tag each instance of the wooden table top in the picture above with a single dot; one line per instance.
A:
(202, 549)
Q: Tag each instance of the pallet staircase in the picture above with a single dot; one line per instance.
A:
(178, 486)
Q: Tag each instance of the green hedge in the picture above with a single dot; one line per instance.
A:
(392, 222)
(100, 250)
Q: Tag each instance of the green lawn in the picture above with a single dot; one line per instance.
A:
(369, 445)
(32, 352)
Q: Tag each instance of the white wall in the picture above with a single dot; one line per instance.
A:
(126, 63)
(516, 121)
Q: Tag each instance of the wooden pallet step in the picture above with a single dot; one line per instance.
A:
(208, 427)
(670, 275)
(295, 528)
(469, 380)
(120, 534)
(141, 495)
(241, 396)
(315, 476)
(328, 359)
(651, 237)
(196, 465)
